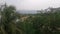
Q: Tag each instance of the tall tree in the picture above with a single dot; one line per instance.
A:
(8, 20)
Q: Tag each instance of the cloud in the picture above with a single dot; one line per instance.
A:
(2, 2)
(33, 4)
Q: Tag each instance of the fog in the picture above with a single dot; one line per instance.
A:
(33, 4)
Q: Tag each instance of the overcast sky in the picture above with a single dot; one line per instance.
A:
(32, 4)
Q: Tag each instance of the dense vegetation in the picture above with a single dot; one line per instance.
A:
(11, 22)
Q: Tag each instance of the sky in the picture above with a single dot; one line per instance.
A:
(32, 4)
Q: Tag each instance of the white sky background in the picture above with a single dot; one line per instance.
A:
(32, 4)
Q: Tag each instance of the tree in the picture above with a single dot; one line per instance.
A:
(8, 20)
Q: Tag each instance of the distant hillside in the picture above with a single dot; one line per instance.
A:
(27, 11)
(38, 11)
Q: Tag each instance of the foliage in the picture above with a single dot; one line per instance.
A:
(43, 23)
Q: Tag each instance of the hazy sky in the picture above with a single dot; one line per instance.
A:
(32, 4)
